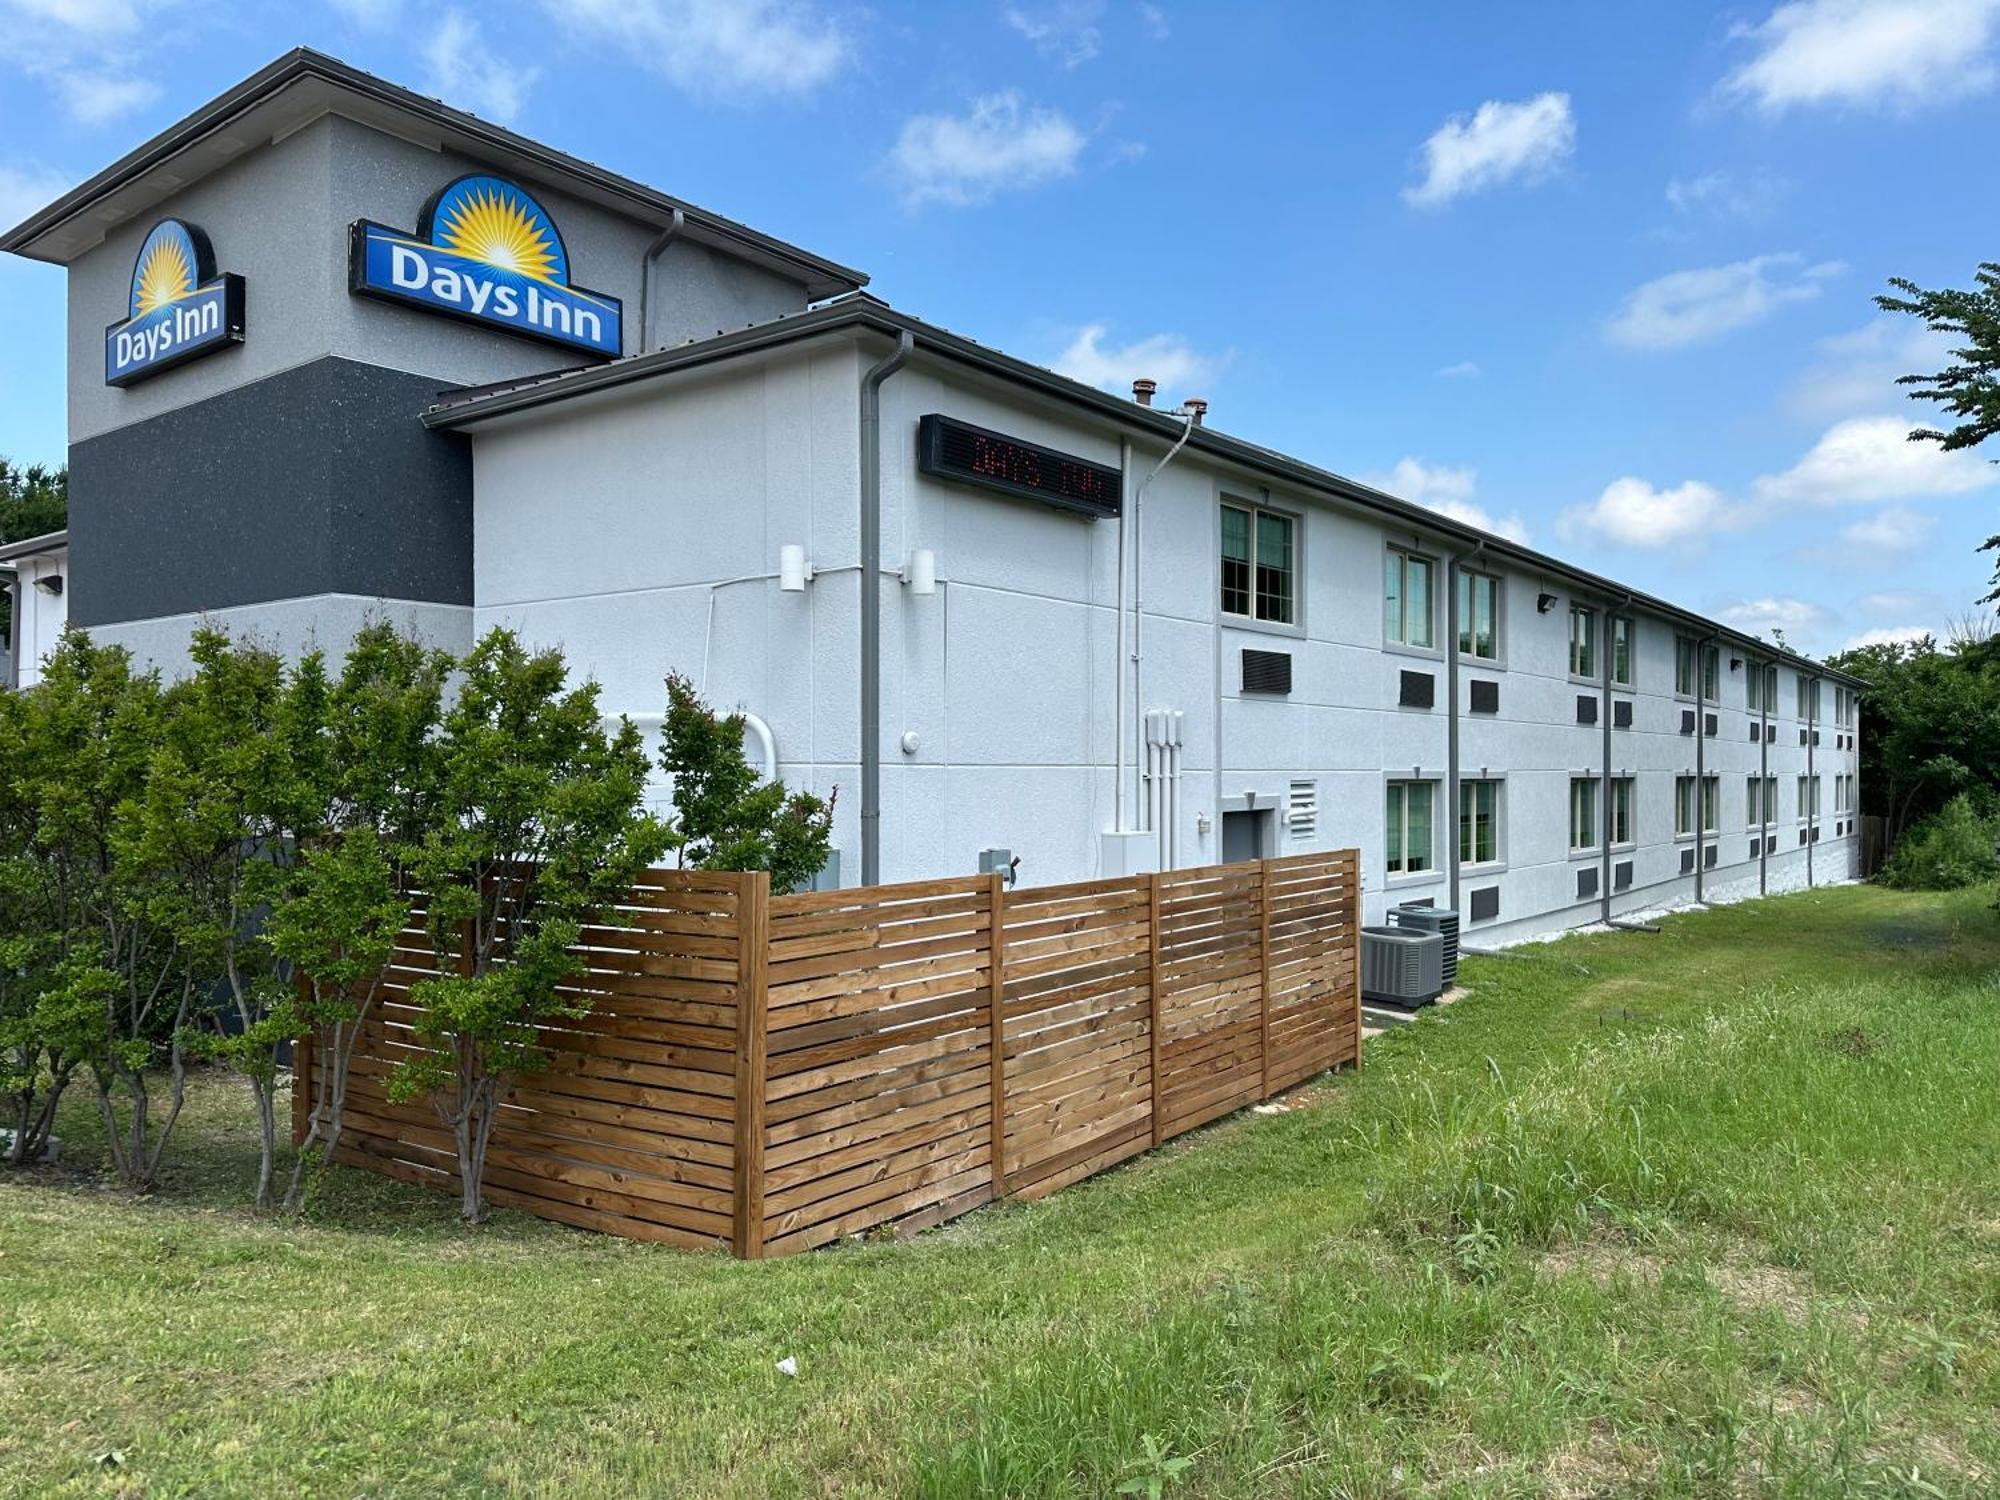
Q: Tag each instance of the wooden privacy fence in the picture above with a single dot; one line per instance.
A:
(769, 1073)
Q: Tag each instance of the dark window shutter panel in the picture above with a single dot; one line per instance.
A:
(1621, 715)
(1586, 709)
(1485, 903)
(1485, 697)
(1419, 690)
(1267, 671)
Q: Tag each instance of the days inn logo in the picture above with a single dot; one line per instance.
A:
(486, 252)
(179, 307)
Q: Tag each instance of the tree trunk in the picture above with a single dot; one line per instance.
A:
(267, 1142)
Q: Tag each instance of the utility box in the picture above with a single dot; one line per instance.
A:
(998, 861)
(1444, 923)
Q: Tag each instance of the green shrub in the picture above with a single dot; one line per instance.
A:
(1953, 848)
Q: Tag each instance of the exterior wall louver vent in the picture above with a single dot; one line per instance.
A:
(1419, 690)
(1302, 810)
(1687, 861)
(1621, 715)
(1709, 726)
(1708, 856)
(1485, 904)
(1267, 671)
(1687, 721)
(1621, 876)
(1485, 697)
(1586, 882)
(1586, 709)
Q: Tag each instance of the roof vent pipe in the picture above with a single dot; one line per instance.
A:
(1143, 389)
(1196, 408)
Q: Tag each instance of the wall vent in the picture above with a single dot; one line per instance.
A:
(1756, 733)
(1687, 721)
(1802, 736)
(1267, 671)
(1586, 709)
(1815, 736)
(1302, 811)
(1687, 861)
(1419, 690)
(1586, 882)
(1708, 856)
(1709, 726)
(1756, 847)
(1621, 875)
(1621, 715)
(1770, 734)
(1771, 844)
(1485, 697)
(1802, 835)
(1485, 903)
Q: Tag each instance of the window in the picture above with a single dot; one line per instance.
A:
(1771, 785)
(1839, 791)
(1760, 800)
(1684, 804)
(1808, 798)
(1684, 658)
(1621, 651)
(1582, 642)
(1478, 615)
(1844, 702)
(1411, 804)
(1582, 813)
(1621, 810)
(1478, 822)
(1808, 697)
(1259, 564)
(1406, 599)
(1762, 679)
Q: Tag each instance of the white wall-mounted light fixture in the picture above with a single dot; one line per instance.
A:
(921, 574)
(794, 572)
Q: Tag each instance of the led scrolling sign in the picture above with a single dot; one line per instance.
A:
(950, 449)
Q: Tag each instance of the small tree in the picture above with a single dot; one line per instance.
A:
(539, 830)
(339, 922)
(725, 816)
(33, 1072)
(234, 791)
(112, 995)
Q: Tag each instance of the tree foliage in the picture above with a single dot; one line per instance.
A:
(33, 502)
(725, 816)
(539, 829)
(1969, 387)
(1954, 847)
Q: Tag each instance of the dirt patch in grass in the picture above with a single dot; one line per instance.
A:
(1852, 1041)
(1745, 1281)
(1593, 1469)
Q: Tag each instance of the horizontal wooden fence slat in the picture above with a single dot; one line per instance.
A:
(773, 1072)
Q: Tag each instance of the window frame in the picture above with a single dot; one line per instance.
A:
(1628, 625)
(1406, 554)
(1466, 577)
(1297, 521)
(1707, 669)
(1588, 615)
(1583, 797)
(1395, 836)
(1496, 818)
(1614, 814)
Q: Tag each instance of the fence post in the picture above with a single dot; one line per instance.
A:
(1264, 981)
(996, 1021)
(1153, 995)
(1352, 870)
(753, 938)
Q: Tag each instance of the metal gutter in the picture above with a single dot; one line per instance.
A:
(34, 546)
(1701, 648)
(861, 310)
(1451, 794)
(823, 277)
(871, 609)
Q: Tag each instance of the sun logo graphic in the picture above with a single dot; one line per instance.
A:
(178, 308)
(486, 252)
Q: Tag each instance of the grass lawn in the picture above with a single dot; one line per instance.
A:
(1712, 1211)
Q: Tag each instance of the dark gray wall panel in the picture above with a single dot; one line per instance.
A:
(318, 480)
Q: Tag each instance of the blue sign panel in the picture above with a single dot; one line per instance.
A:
(179, 307)
(486, 252)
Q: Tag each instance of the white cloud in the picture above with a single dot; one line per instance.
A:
(1871, 459)
(1725, 195)
(23, 189)
(96, 18)
(1895, 529)
(1897, 602)
(1633, 513)
(1165, 357)
(1066, 32)
(1498, 143)
(717, 48)
(98, 98)
(1888, 635)
(1465, 369)
(83, 50)
(1155, 20)
(998, 144)
(1857, 371)
(1449, 492)
(1902, 53)
(1691, 307)
(466, 73)
(1794, 617)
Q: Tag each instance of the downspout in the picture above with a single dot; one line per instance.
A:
(1766, 672)
(1701, 649)
(871, 607)
(1604, 711)
(1812, 777)
(1451, 795)
(1118, 660)
(653, 251)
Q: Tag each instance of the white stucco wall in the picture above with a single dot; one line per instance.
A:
(39, 616)
(620, 527)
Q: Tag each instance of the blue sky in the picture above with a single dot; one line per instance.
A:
(1598, 274)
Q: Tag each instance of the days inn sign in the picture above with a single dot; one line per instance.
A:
(179, 308)
(486, 252)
